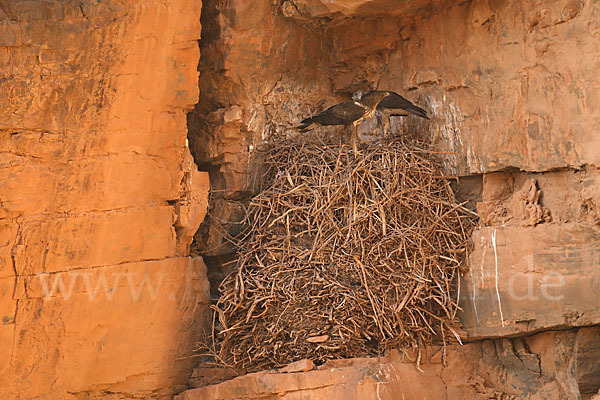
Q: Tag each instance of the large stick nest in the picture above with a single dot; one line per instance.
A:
(343, 256)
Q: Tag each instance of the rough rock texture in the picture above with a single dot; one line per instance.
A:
(305, 10)
(509, 85)
(524, 279)
(501, 79)
(534, 267)
(549, 365)
(98, 191)
(344, 379)
(512, 90)
(99, 198)
(257, 68)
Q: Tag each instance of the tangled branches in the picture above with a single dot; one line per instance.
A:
(344, 256)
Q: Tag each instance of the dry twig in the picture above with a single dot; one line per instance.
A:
(343, 256)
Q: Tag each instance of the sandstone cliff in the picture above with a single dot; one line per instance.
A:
(100, 198)
(511, 88)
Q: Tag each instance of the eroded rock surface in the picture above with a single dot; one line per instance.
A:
(98, 190)
(525, 279)
(512, 93)
(549, 365)
(307, 10)
(97, 200)
(534, 262)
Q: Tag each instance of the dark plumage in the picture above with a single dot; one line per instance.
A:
(348, 113)
(394, 105)
(341, 114)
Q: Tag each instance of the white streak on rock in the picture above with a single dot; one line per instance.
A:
(496, 260)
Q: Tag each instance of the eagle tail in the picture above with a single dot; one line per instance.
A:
(418, 111)
(305, 123)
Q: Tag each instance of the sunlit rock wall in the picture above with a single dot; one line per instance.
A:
(512, 91)
(509, 86)
(99, 198)
(548, 365)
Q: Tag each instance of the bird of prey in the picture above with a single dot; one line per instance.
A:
(394, 105)
(349, 113)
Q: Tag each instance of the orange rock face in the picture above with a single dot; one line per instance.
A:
(549, 365)
(98, 199)
(308, 9)
(509, 83)
(511, 90)
(389, 378)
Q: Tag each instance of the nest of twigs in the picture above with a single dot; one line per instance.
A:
(343, 256)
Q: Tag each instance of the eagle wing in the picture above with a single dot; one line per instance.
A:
(396, 102)
(341, 114)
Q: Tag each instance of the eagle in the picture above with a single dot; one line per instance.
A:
(349, 113)
(393, 105)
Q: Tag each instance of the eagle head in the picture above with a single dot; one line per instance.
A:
(373, 98)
